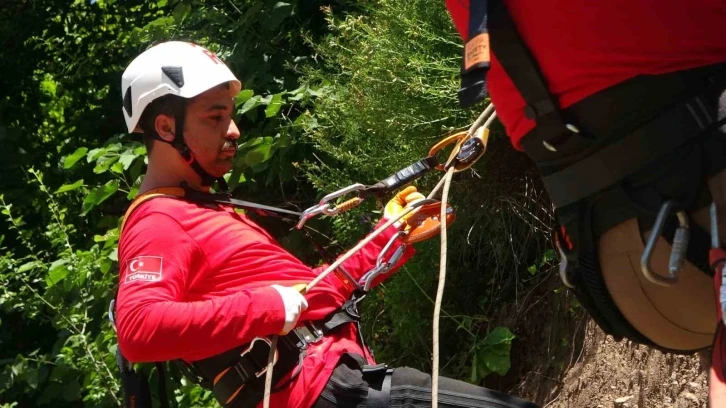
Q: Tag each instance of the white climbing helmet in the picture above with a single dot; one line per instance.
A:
(174, 67)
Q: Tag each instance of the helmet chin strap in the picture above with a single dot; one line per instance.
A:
(180, 146)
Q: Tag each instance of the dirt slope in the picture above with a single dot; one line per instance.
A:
(611, 374)
(564, 360)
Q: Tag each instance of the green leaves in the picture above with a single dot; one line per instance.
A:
(99, 195)
(250, 104)
(259, 152)
(274, 105)
(181, 10)
(69, 187)
(71, 159)
(243, 96)
(28, 266)
(492, 355)
(547, 258)
(57, 272)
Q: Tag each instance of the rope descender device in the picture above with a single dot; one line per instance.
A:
(469, 146)
(467, 149)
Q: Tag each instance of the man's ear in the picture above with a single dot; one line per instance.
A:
(164, 125)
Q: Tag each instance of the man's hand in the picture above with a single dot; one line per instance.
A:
(295, 303)
(397, 204)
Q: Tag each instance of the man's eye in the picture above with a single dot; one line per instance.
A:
(217, 118)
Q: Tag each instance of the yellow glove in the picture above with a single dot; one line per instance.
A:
(400, 201)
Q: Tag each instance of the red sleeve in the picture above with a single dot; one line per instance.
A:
(459, 12)
(154, 322)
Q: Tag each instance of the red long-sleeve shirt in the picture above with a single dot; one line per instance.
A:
(195, 282)
(583, 47)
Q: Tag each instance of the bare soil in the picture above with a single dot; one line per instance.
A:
(564, 360)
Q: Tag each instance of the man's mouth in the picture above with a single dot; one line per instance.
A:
(229, 149)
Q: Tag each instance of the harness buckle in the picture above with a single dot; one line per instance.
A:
(251, 346)
(308, 333)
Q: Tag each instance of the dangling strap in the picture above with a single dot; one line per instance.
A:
(177, 192)
(475, 61)
(521, 67)
(202, 197)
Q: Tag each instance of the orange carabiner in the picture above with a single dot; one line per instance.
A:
(455, 138)
(425, 222)
(473, 147)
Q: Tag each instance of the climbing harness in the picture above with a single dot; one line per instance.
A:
(595, 157)
(409, 208)
(237, 374)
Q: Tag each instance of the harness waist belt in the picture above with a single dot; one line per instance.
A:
(635, 151)
(607, 165)
(237, 376)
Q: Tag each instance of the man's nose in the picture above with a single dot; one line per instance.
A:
(233, 131)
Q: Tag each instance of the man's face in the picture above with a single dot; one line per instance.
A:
(210, 132)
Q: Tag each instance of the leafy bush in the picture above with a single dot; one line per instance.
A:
(393, 75)
(336, 92)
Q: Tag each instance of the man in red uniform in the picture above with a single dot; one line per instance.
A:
(620, 104)
(198, 279)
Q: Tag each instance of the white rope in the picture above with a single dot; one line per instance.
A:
(478, 122)
(485, 119)
(321, 276)
(440, 291)
(268, 374)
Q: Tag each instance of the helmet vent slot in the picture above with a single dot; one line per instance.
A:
(127, 101)
(175, 74)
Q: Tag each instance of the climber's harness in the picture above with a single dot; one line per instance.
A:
(590, 153)
(237, 376)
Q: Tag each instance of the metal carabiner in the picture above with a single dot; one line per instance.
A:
(396, 256)
(381, 265)
(678, 249)
(310, 213)
(325, 206)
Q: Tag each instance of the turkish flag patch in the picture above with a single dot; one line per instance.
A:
(144, 268)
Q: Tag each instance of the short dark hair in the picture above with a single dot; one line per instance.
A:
(167, 105)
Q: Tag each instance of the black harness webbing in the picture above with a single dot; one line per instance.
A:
(680, 124)
(475, 61)
(521, 67)
(237, 376)
(586, 151)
